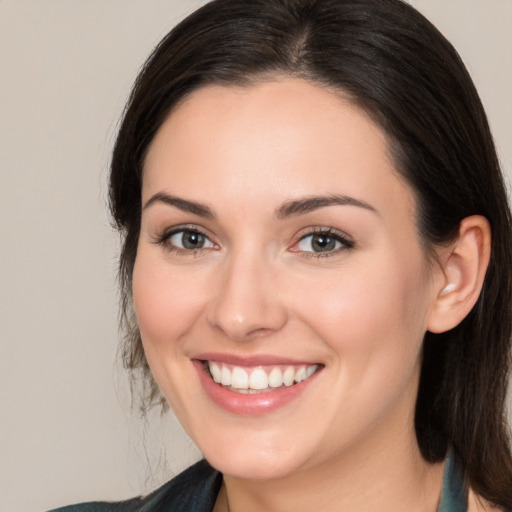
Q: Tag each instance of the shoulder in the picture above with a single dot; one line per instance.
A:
(103, 506)
(196, 489)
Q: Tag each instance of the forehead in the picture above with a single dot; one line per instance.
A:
(270, 139)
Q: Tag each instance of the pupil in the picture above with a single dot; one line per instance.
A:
(323, 243)
(192, 240)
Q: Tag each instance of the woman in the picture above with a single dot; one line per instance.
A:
(316, 261)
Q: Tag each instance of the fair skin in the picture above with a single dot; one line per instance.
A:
(238, 267)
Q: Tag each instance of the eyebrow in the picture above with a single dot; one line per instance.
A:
(182, 204)
(288, 209)
(309, 204)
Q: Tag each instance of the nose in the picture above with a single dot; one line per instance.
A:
(247, 302)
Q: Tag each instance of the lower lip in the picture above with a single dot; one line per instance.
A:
(244, 404)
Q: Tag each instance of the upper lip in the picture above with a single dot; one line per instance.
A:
(250, 360)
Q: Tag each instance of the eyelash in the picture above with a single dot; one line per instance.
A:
(346, 244)
(337, 236)
(164, 240)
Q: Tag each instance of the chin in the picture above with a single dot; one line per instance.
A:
(248, 465)
(260, 456)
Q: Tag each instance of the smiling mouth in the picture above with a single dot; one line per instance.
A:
(259, 379)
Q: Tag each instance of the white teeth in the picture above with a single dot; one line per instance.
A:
(216, 372)
(275, 378)
(239, 378)
(301, 374)
(289, 376)
(225, 377)
(310, 370)
(258, 379)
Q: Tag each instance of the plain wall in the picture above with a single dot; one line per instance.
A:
(67, 433)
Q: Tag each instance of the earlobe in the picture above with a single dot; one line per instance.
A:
(463, 267)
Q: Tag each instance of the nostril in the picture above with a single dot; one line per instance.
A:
(246, 308)
(260, 332)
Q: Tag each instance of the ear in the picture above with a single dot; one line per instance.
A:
(463, 267)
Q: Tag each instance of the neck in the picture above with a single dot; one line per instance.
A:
(389, 476)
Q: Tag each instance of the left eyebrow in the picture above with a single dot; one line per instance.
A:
(309, 204)
(180, 203)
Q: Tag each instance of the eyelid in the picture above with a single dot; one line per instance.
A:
(164, 236)
(343, 238)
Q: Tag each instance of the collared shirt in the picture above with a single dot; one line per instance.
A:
(196, 490)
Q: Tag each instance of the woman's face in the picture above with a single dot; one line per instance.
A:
(278, 244)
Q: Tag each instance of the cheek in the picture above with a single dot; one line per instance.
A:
(166, 303)
(371, 313)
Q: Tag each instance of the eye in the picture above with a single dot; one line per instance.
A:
(322, 243)
(186, 240)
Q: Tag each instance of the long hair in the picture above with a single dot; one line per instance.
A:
(396, 66)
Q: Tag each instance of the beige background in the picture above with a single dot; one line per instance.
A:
(66, 430)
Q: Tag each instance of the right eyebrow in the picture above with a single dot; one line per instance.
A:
(182, 204)
(309, 204)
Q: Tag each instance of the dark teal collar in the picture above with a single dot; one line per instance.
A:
(196, 489)
(454, 495)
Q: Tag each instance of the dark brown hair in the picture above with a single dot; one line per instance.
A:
(401, 71)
